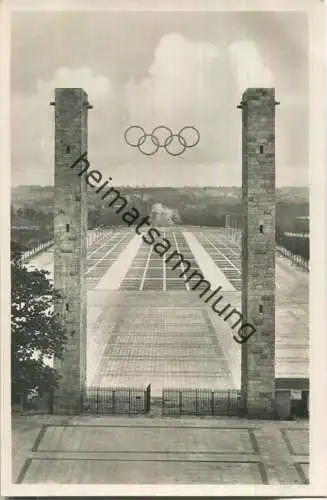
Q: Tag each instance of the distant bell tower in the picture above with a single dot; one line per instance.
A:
(70, 244)
(258, 250)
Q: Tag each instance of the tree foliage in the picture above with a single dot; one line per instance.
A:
(30, 227)
(36, 334)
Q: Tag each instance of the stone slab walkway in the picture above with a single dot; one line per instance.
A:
(145, 450)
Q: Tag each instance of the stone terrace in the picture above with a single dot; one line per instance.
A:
(143, 450)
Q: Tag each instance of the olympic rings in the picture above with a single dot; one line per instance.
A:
(170, 140)
(149, 144)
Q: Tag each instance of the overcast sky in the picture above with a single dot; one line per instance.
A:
(159, 68)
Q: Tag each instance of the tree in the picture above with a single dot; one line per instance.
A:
(36, 334)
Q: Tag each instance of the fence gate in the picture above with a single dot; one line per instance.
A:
(116, 400)
(201, 402)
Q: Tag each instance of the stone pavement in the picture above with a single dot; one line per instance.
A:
(145, 450)
(165, 339)
(155, 330)
(117, 260)
(174, 339)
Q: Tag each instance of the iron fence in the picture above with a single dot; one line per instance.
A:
(117, 400)
(93, 400)
(201, 402)
(297, 260)
(175, 402)
(37, 249)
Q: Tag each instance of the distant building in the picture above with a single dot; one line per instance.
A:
(163, 216)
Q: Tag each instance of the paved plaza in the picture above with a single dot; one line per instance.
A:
(146, 325)
(167, 345)
(142, 450)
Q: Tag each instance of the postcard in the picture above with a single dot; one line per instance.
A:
(163, 248)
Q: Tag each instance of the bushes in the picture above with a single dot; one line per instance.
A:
(36, 333)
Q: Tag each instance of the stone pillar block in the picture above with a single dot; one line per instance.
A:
(70, 243)
(283, 404)
(258, 250)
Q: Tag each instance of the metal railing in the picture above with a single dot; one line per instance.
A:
(93, 235)
(201, 402)
(34, 251)
(296, 260)
(175, 402)
(116, 400)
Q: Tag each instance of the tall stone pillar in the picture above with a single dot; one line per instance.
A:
(70, 243)
(258, 251)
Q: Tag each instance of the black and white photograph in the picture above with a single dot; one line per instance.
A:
(165, 186)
